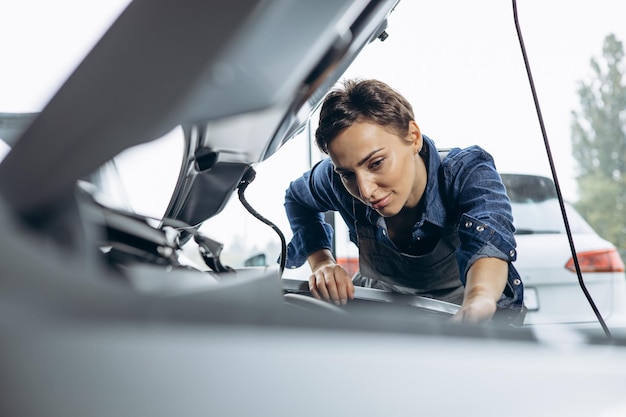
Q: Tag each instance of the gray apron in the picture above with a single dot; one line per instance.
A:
(433, 275)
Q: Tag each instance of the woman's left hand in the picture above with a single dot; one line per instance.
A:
(485, 283)
(478, 310)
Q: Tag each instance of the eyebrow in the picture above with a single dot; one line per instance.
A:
(361, 162)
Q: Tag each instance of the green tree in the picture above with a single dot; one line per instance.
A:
(599, 144)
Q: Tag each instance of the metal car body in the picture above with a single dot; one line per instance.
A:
(99, 316)
(553, 292)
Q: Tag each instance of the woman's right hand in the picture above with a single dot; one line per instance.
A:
(329, 281)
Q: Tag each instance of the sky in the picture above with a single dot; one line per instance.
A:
(457, 61)
(43, 42)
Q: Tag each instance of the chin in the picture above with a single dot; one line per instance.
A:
(387, 212)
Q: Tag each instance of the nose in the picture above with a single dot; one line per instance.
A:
(366, 187)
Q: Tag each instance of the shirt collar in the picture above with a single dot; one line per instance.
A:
(434, 209)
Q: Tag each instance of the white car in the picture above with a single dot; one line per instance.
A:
(552, 290)
(102, 315)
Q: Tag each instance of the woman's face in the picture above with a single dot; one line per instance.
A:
(379, 167)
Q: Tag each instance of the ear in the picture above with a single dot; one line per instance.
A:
(415, 136)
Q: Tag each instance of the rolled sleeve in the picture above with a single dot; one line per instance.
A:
(306, 201)
(485, 219)
(480, 240)
(307, 240)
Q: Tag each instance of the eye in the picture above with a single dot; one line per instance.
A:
(376, 163)
(346, 176)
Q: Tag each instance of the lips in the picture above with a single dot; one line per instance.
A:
(380, 204)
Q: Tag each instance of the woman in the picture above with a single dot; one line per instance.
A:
(441, 228)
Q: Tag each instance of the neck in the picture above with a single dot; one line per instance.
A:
(407, 217)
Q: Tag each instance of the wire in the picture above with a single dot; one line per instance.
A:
(247, 178)
(554, 175)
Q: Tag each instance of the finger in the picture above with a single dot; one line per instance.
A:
(320, 284)
(345, 290)
(331, 287)
(342, 293)
(313, 287)
(350, 290)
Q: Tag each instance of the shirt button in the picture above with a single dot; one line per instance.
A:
(468, 224)
(512, 253)
(384, 232)
(480, 228)
(517, 281)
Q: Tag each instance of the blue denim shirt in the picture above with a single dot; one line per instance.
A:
(464, 188)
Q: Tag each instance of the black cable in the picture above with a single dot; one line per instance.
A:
(556, 181)
(247, 178)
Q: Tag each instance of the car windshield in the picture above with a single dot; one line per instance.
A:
(546, 217)
(141, 179)
(536, 208)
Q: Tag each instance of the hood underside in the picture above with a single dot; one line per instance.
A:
(246, 74)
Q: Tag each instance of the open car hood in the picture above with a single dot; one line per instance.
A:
(241, 78)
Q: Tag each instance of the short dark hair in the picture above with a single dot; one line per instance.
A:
(359, 101)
